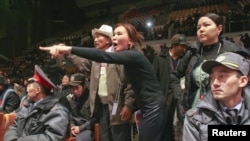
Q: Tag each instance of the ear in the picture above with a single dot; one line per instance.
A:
(220, 28)
(130, 44)
(243, 81)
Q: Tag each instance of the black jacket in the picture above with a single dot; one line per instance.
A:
(163, 69)
(10, 101)
(81, 115)
(62, 93)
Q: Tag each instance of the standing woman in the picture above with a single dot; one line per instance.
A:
(127, 42)
(209, 45)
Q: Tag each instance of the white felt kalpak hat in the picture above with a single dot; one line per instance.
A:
(104, 29)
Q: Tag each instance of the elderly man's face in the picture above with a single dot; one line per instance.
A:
(101, 41)
(33, 89)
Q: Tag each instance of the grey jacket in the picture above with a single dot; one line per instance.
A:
(208, 112)
(46, 121)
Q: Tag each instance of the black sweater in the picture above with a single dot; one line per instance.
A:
(138, 70)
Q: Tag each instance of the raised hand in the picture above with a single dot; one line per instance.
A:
(57, 50)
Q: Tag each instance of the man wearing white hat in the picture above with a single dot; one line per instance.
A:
(110, 92)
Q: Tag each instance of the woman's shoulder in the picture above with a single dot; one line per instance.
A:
(229, 46)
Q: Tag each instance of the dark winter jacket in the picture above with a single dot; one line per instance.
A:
(9, 100)
(48, 120)
(62, 93)
(81, 115)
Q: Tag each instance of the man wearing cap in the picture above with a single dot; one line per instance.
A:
(164, 63)
(82, 124)
(226, 103)
(109, 90)
(42, 117)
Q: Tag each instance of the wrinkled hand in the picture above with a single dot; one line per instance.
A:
(75, 130)
(126, 113)
(57, 50)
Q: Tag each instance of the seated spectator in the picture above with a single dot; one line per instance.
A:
(228, 81)
(16, 83)
(53, 71)
(82, 124)
(64, 90)
(9, 100)
(42, 117)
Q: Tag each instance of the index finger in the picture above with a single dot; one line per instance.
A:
(45, 48)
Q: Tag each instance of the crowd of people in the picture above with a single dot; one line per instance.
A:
(179, 91)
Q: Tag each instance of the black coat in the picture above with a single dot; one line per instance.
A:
(62, 94)
(11, 102)
(81, 111)
(162, 66)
